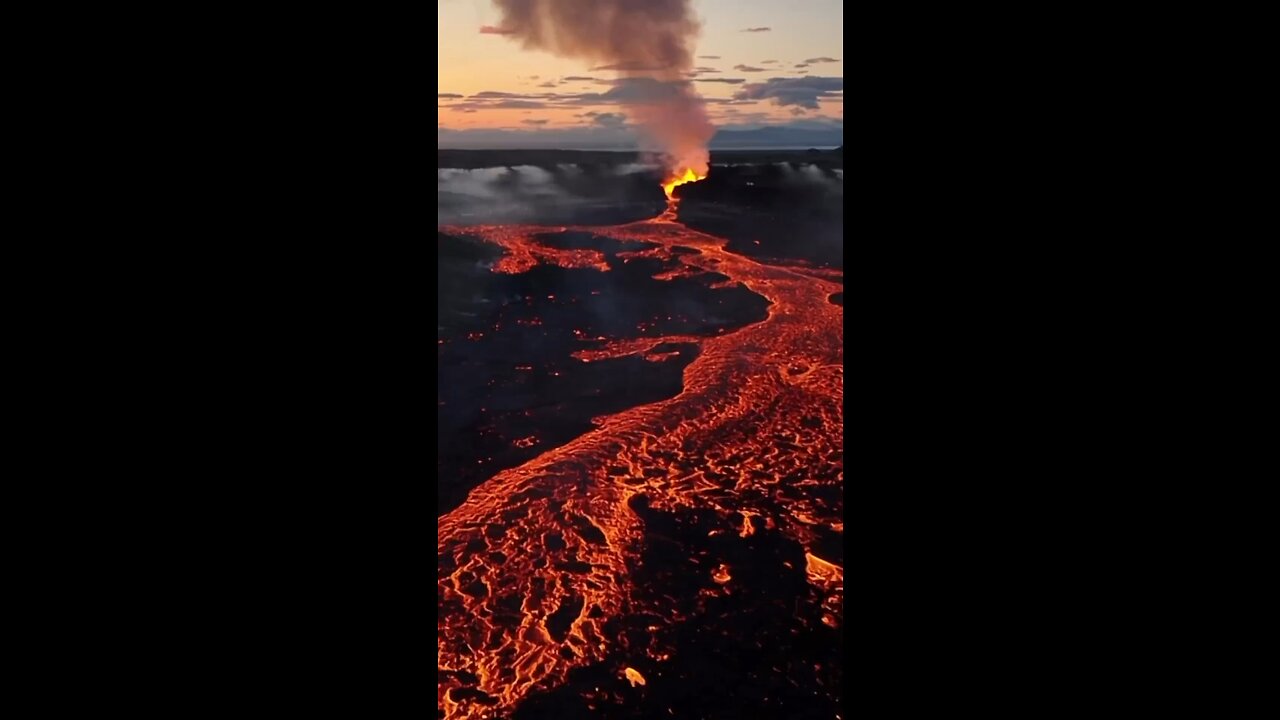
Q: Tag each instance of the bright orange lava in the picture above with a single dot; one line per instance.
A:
(535, 561)
(680, 178)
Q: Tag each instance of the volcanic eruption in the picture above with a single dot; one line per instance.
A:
(649, 43)
(680, 555)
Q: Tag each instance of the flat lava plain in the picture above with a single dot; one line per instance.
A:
(641, 431)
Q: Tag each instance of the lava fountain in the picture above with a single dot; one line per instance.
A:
(677, 179)
(674, 180)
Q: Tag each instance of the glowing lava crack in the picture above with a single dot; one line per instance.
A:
(535, 561)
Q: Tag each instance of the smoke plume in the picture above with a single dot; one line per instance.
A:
(649, 39)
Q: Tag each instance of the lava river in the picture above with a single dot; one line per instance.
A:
(538, 558)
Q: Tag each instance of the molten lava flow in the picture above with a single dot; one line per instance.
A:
(535, 563)
(669, 186)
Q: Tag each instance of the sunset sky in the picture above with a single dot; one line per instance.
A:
(758, 62)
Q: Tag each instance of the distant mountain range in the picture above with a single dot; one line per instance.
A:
(778, 137)
(579, 138)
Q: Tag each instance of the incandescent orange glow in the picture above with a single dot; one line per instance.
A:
(721, 574)
(677, 179)
(821, 572)
(635, 677)
(537, 562)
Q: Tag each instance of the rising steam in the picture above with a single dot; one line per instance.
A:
(649, 41)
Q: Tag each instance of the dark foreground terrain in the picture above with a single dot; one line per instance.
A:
(601, 561)
(768, 203)
(508, 386)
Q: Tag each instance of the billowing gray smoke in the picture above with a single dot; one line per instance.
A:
(650, 41)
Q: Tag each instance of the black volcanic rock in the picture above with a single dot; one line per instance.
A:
(508, 386)
(791, 211)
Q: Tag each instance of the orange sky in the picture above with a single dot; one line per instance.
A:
(804, 45)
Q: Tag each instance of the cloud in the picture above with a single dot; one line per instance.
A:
(579, 78)
(747, 68)
(613, 120)
(800, 65)
(488, 100)
(549, 136)
(730, 81)
(631, 90)
(802, 92)
(759, 29)
(447, 95)
(821, 60)
(631, 67)
(767, 62)
(639, 90)
(491, 30)
(705, 70)
(622, 91)
(534, 122)
(516, 104)
(595, 135)
(708, 57)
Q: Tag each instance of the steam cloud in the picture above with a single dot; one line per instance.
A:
(558, 193)
(649, 39)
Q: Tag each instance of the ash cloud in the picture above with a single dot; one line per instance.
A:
(757, 29)
(641, 39)
(491, 30)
